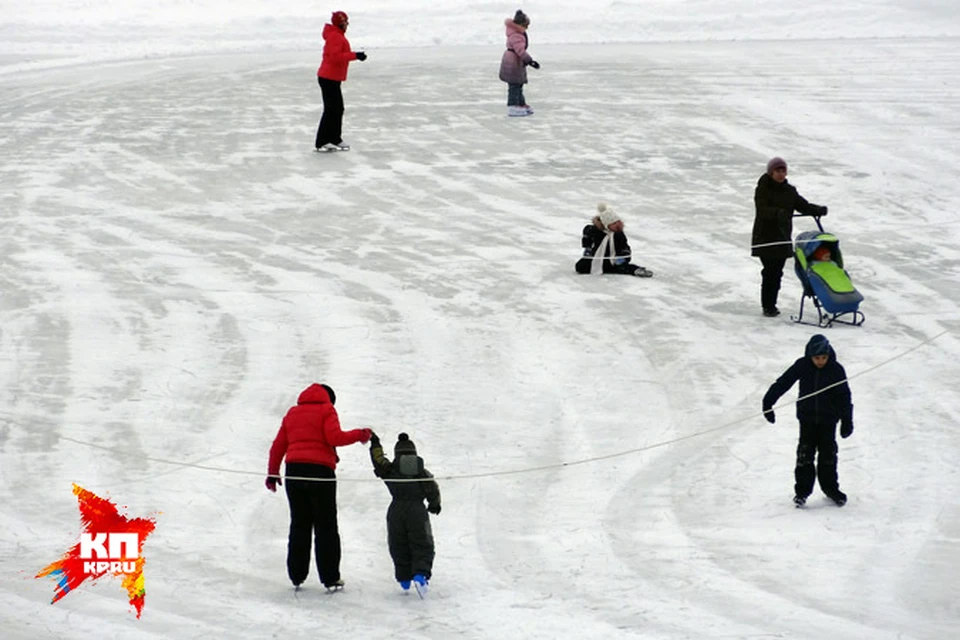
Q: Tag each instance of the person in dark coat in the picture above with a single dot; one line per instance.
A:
(824, 400)
(776, 200)
(514, 63)
(409, 535)
(337, 56)
(605, 246)
(308, 437)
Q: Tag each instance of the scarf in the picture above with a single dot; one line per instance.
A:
(596, 266)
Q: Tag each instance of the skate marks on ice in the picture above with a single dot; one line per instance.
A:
(217, 257)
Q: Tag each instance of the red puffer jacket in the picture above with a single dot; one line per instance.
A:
(310, 432)
(336, 54)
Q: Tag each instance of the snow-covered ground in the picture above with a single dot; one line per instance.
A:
(176, 265)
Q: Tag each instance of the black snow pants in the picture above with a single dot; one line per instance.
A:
(770, 276)
(313, 513)
(331, 122)
(410, 539)
(817, 437)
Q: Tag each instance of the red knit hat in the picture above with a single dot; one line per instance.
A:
(339, 19)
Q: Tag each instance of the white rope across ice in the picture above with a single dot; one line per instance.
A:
(508, 472)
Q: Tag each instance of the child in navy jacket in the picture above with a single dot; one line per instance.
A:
(824, 400)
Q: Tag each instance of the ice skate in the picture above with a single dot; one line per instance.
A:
(839, 498)
(421, 584)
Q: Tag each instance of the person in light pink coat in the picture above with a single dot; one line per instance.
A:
(513, 64)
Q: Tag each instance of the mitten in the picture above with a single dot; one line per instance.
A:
(361, 56)
(769, 415)
(272, 483)
(374, 440)
(846, 428)
(534, 64)
(365, 435)
(822, 211)
(434, 509)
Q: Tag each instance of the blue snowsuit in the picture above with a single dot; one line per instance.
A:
(818, 416)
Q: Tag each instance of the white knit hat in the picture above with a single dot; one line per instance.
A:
(607, 215)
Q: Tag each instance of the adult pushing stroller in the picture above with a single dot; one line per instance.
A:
(819, 266)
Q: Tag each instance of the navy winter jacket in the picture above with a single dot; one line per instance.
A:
(824, 408)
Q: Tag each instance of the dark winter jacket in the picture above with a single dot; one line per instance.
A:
(310, 432)
(592, 237)
(406, 467)
(824, 408)
(513, 63)
(336, 54)
(775, 203)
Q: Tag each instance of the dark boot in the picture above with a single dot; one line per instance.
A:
(827, 473)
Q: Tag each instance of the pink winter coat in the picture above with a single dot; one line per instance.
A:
(513, 64)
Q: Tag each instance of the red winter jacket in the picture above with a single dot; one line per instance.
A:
(310, 432)
(336, 54)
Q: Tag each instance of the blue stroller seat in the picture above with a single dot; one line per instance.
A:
(825, 281)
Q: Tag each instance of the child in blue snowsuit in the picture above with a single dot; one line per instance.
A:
(825, 380)
(409, 535)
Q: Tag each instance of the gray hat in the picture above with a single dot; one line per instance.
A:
(776, 163)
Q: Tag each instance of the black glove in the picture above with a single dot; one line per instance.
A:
(846, 428)
(821, 211)
(534, 64)
(434, 509)
(769, 415)
(361, 56)
(374, 440)
(272, 483)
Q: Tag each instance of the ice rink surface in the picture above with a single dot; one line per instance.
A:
(176, 264)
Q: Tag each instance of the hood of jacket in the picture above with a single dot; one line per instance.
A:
(314, 394)
(513, 27)
(330, 30)
(817, 343)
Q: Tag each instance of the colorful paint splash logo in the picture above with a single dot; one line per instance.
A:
(110, 544)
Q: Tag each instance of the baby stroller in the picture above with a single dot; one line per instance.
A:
(819, 265)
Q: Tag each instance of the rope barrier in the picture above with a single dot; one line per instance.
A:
(508, 472)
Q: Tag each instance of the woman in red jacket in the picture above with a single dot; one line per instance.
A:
(333, 70)
(308, 437)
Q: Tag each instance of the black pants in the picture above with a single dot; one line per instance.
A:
(821, 439)
(331, 122)
(410, 539)
(313, 513)
(770, 275)
(515, 95)
(584, 265)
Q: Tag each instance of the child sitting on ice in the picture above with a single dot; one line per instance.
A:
(409, 535)
(605, 246)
